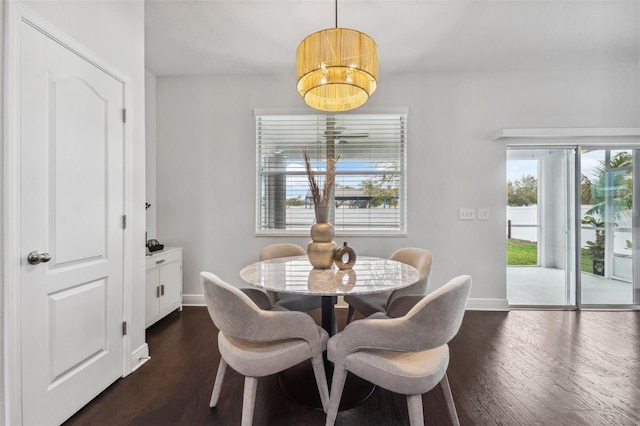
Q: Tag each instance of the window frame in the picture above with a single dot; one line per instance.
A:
(398, 142)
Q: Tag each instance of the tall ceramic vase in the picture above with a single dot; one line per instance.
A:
(321, 248)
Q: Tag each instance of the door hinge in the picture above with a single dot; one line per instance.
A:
(124, 115)
(124, 328)
(124, 221)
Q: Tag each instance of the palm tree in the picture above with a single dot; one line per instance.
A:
(617, 178)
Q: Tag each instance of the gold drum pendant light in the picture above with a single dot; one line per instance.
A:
(337, 68)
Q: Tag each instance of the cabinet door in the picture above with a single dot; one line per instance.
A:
(171, 278)
(152, 281)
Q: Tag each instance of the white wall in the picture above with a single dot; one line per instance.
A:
(206, 160)
(2, 383)
(150, 135)
(554, 239)
(114, 31)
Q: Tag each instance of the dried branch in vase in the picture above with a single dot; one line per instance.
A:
(321, 198)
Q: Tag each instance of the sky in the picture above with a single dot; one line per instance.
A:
(298, 184)
(516, 169)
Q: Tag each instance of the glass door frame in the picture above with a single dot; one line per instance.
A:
(635, 227)
(571, 231)
(575, 267)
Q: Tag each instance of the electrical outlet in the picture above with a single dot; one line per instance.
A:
(467, 214)
(483, 214)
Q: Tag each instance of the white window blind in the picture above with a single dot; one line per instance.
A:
(370, 187)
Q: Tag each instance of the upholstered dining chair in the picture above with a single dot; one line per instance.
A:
(408, 355)
(293, 302)
(368, 304)
(258, 343)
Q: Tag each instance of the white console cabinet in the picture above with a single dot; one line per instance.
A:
(163, 283)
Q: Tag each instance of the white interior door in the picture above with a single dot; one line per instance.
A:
(71, 208)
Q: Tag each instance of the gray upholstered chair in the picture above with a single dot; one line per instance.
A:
(368, 304)
(258, 343)
(293, 302)
(408, 355)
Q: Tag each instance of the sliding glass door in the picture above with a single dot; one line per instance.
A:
(607, 182)
(573, 227)
(540, 227)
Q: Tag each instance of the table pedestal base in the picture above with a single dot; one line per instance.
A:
(299, 384)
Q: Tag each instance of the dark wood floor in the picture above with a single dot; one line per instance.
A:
(516, 368)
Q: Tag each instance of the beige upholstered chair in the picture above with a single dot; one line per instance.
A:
(258, 343)
(293, 302)
(368, 304)
(408, 355)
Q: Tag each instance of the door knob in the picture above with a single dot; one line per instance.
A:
(36, 257)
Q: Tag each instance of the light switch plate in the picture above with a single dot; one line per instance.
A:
(483, 214)
(467, 214)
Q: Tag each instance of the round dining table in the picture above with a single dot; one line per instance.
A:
(297, 276)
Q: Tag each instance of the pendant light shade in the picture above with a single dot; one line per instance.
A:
(337, 69)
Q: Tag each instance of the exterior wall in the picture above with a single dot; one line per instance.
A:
(206, 160)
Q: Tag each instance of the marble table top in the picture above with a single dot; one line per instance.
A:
(296, 275)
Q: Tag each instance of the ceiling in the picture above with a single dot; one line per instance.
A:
(226, 37)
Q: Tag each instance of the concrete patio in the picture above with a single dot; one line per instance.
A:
(533, 285)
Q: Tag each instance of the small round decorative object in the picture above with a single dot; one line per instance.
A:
(345, 257)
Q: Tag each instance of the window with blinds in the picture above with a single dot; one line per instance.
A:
(369, 195)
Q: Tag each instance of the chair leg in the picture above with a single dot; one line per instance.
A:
(414, 404)
(321, 380)
(337, 384)
(350, 313)
(448, 397)
(249, 400)
(217, 385)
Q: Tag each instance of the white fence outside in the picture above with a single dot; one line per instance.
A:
(524, 222)
(524, 226)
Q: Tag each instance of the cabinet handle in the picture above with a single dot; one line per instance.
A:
(158, 291)
(160, 261)
(162, 290)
